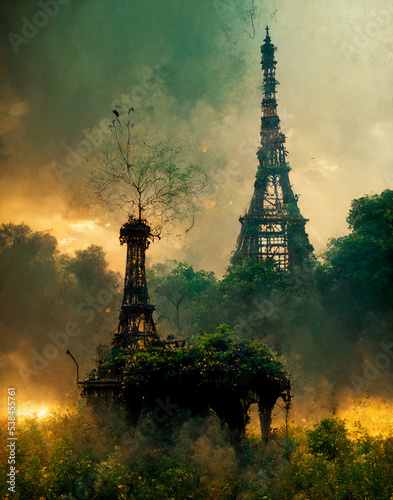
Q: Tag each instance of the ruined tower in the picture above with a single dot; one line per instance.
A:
(136, 325)
(273, 228)
(136, 328)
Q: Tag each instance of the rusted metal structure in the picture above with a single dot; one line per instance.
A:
(273, 228)
(136, 324)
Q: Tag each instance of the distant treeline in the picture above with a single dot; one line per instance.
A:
(324, 319)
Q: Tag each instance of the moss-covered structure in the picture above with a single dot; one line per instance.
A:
(215, 373)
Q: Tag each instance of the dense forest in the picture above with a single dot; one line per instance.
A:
(330, 325)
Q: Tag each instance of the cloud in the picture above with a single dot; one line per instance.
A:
(88, 57)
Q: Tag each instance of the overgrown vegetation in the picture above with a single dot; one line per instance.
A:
(324, 324)
(216, 372)
(216, 358)
(61, 458)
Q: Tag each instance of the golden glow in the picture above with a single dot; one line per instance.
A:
(367, 416)
(83, 226)
(67, 241)
(38, 411)
(210, 204)
(253, 428)
(373, 416)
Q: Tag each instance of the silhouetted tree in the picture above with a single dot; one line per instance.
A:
(153, 181)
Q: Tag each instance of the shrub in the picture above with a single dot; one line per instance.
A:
(329, 438)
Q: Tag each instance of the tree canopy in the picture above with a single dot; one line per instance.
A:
(156, 181)
(41, 291)
(180, 293)
(361, 262)
(218, 358)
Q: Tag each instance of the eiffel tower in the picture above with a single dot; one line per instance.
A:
(137, 329)
(136, 324)
(273, 228)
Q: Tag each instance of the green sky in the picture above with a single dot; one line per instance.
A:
(195, 67)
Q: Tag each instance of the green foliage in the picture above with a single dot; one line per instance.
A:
(221, 340)
(50, 460)
(89, 267)
(337, 468)
(73, 456)
(216, 358)
(170, 477)
(329, 439)
(27, 259)
(373, 215)
(249, 298)
(360, 263)
(248, 279)
(181, 294)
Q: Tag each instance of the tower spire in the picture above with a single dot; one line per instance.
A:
(273, 228)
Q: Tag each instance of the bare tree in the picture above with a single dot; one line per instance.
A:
(153, 181)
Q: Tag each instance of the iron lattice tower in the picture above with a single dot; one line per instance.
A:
(273, 229)
(136, 324)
